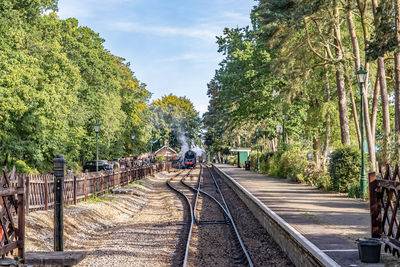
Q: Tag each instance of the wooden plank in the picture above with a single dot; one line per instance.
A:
(394, 214)
(27, 192)
(84, 188)
(375, 207)
(4, 192)
(101, 185)
(46, 193)
(21, 219)
(74, 190)
(8, 248)
(395, 185)
(58, 258)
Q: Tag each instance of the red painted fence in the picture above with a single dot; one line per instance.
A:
(384, 208)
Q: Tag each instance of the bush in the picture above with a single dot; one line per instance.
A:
(355, 191)
(22, 167)
(317, 177)
(293, 163)
(232, 160)
(290, 163)
(345, 168)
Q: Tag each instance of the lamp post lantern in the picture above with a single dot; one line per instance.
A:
(96, 127)
(361, 78)
(258, 157)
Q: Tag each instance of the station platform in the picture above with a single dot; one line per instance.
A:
(331, 221)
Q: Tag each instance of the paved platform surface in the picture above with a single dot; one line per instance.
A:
(331, 221)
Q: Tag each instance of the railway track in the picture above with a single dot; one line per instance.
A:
(221, 216)
(184, 193)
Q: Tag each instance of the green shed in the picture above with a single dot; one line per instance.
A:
(242, 155)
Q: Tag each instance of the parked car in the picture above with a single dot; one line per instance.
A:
(90, 166)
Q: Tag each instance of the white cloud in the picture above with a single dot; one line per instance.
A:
(197, 57)
(236, 17)
(86, 8)
(74, 9)
(205, 33)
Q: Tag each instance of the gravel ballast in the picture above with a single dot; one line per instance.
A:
(145, 224)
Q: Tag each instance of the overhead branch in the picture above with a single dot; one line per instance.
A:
(310, 45)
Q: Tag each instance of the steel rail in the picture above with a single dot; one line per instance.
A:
(226, 212)
(207, 194)
(191, 216)
(197, 194)
(250, 262)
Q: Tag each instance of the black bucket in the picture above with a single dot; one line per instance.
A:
(369, 249)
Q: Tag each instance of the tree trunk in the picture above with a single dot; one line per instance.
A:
(384, 97)
(385, 110)
(263, 144)
(317, 151)
(353, 107)
(375, 101)
(397, 77)
(6, 159)
(397, 100)
(344, 122)
(353, 37)
(369, 127)
(328, 117)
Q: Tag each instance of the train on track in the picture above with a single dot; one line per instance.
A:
(189, 159)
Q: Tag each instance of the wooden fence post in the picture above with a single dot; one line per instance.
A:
(101, 184)
(375, 206)
(27, 192)
(75, 189)
(21, 217)
(84, 186)
(119, 178)
(46, 193)
(94, 185)
(113, 179)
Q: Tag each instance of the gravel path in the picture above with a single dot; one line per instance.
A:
(137, 229)
(148, 240)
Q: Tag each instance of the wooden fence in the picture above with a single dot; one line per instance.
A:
(12, 200)
(26, 192)
(77, 187)
(384, 206)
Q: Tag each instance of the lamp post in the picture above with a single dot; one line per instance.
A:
(258, 157)
(361, 78)
(97, 129)
(133, 138)
(152, 142)
(168, 160)
(279, 130)
(283, 131)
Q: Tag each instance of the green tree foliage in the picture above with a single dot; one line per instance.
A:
(296, 64)
(176, 120)
(56, 80)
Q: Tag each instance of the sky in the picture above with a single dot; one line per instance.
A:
(171, 44)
